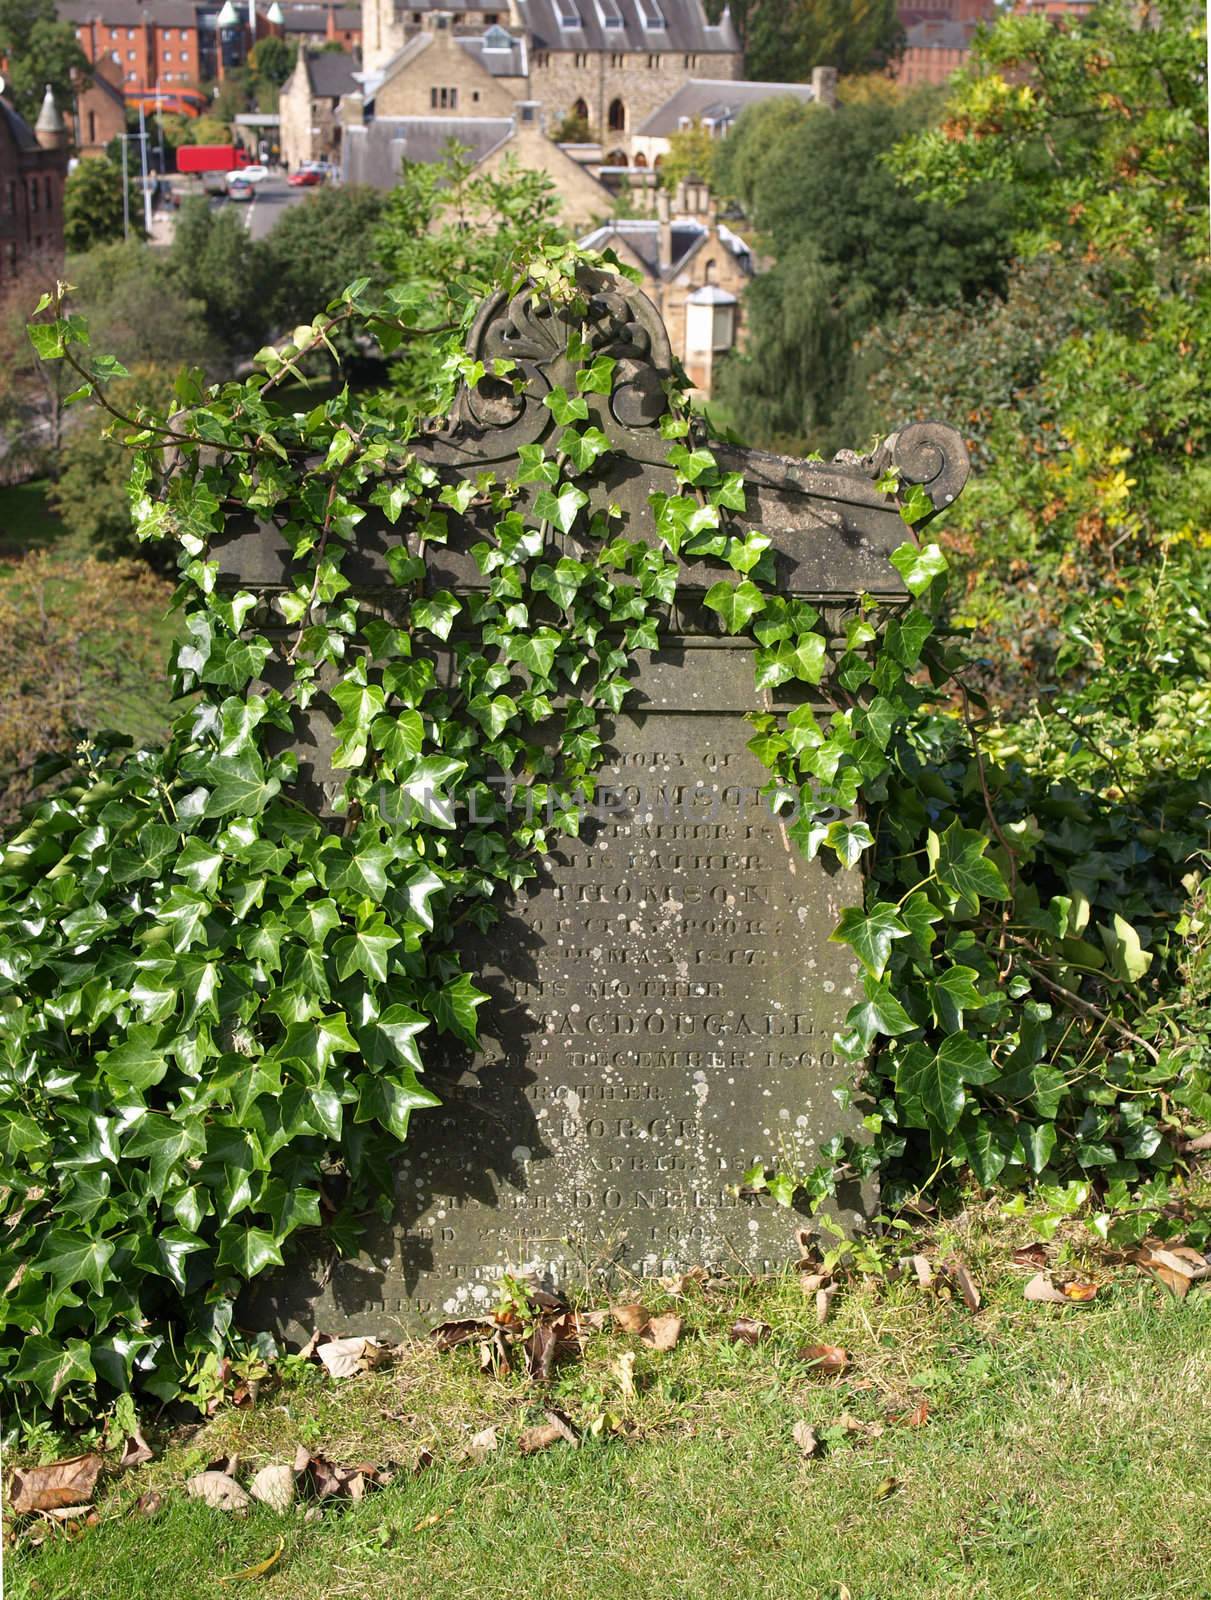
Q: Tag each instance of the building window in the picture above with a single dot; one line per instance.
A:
(33, 195)
(130, 55)
(617, 59)
(92, 127)
(443, 99)
(168, 55)
(130, 33)
(47, 194)
(616, 117)
(475, 97)
(691, 62)
(581, 58)
(654, 63)
(184, 55)
(542, 58)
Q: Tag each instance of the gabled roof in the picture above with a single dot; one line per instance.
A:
(314, 18)
(374, 153)
(331, 73)
(494, 55)
(19, 131)
(719, 100)
(687, 236)
(941, 34)
(635, 25)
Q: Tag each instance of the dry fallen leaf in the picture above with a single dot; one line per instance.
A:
(543, 1435)
(824, 1303)
(137, 1451)
(261, 1567)
(447, 1334)
(923, 1271)
(273, 1486)
(631, 1318)
(916, 1418)
(432, 1519)
(218, 1490)
(813, 1282)
(826, 1360)
(481, 1445)
(805, 1437)
(964, 1283)
(148, 1504)
(1078, 1291)
(681, 1282)
(1041, 1290)
(663, 1332)
(624, 1367)
(64, 1483)
(748, 1330)
(345, 1358)
(1031, 1255)
(886, 1488)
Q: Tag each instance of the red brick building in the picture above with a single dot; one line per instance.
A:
(99, 114)
(33, 169)
(937, 37)
(155, 44)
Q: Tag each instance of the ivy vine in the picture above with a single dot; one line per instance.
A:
(215, 1007)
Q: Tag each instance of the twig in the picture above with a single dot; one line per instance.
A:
(1087, 1008)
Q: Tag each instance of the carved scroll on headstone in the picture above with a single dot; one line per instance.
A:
(664, 998)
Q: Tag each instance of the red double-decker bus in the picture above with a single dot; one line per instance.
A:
(176, 102)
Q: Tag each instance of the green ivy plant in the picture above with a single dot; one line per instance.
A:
(215, 1007)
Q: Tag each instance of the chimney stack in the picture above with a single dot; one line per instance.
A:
(824, 86)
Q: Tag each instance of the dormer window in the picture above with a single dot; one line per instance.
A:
(498, 39)
(651, 17)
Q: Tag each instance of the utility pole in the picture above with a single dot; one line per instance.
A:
(143, 169)
(125, 192)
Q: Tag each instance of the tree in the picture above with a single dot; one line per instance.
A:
(691, 155)
(215, 264)
(784, 39)
(139, 311)
(95, 209)
(272, 61)
(37, 49)
(849, 246)
(317, 248)
(32, 391)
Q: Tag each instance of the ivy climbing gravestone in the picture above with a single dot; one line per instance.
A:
(663, 996)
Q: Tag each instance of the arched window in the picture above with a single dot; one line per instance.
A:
(641, 160)
(617, 117)
(659, 162)
(616, 158)
(581, 111)
(710, 271)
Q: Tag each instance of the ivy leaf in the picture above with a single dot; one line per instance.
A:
(1037, 1141)
(565, 408)
(916, 505)
(848, 839)
(238, 784)
(454, 1007)
(959, 864)
(737, 603)
(563, 508)
(388, 1041)
(400, 737)
(880, 1012)
(50, 1364)
(536, 651)
(919, 565)
(67, 1258)
(953, 993)
(597, 379)
(248, 1250)
(870, 934)
(931, 1084)
(437, 613)
(583, 449)
(391, 1102)
(367, 951)
(1128, 959)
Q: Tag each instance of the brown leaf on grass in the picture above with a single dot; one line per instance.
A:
(137, 1451)
(826, 1360)
(273, 1486)
(923, 1270)
(806, 1244)
(813, 1282)
(631, 1318)
(541, 1348)
(624, 1369)
(555, 1430)
(594, 1321)
(854, 1427)
(748, 1330)
(147, 1504)
(1031, 1255)
(663, 1332)
(347, 1358)
(424, 1460)
(824, 1303)
(1042, 1291)
(494, 1353)
(916, 1418)
(432, 1520)
(805, 1437)
(681, 1282)
(1078, 1291)
(1168, 1269)
(447, 1334)
(317, 1338)
(259, 1569)
(218, 1491)
(963, 1281)
(64, 1483)
(481, 1445)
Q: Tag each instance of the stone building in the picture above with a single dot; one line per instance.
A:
(309, 128)
(99, 113)
(33, 169)
(715, 103)
(695, 269)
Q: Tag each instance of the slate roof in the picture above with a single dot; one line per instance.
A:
(655, 25)
(18, 129)
(374, 153)
(940, 35)
(331, 73)
(501, 63)
(314, 19)
(643, 237)
(716, 100)
(128, 13)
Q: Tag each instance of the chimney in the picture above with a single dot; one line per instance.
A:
(330, 29)
(353, 110)
(824, 86)
(665, 251)
(50, 130)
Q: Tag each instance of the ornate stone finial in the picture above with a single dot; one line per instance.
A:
(50, 130)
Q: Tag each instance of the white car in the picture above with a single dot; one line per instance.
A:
(251, 174)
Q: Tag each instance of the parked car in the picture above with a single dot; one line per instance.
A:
(307, 177)
(239, 188)
(255, 174)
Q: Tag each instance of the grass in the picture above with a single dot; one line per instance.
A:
(1064, 1455)
(26, 522)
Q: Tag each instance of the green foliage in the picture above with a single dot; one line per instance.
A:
(215, 263)
(316, 248)
(37, 49)
(136, 308)
(93, 206)
(691, 154)
(784, 39)
(791, 167)
(272, 61)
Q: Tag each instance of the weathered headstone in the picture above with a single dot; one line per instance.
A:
(663, 999)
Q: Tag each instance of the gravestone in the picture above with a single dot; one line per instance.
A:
(663, 998)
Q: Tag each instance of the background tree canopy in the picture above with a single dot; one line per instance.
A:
(37, 49)
(784, 39)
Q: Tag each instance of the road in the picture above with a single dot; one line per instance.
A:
(270, 198)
